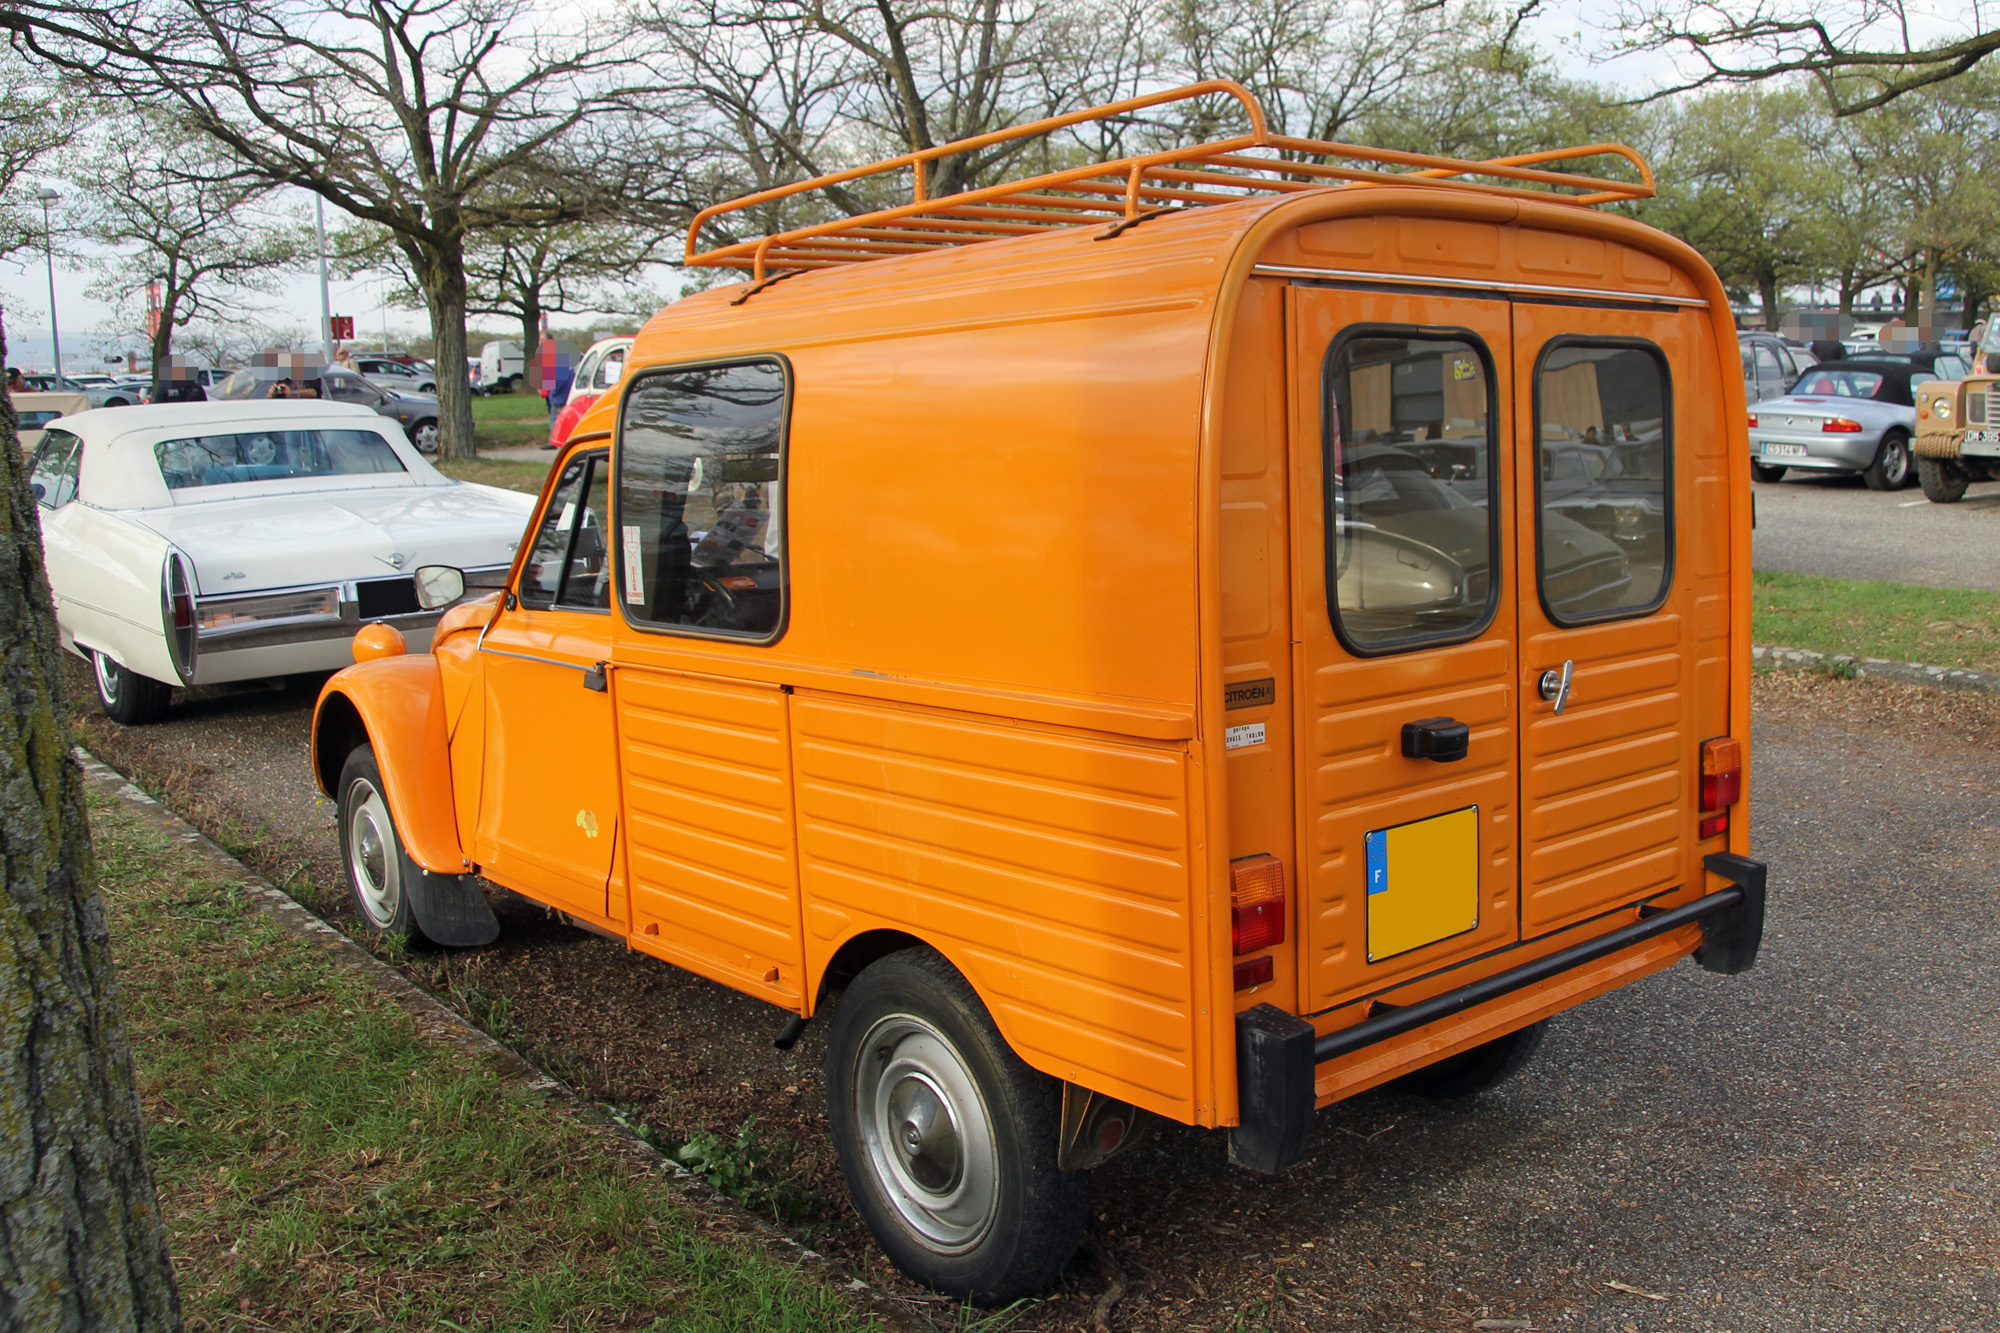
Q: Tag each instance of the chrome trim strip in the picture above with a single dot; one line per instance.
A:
(546, 661)
(1466, 284)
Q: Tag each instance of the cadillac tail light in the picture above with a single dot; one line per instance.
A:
(1840, 426)
(177, 613)
(1721, 782)
(1256, 904)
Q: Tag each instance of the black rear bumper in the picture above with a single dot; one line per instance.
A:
(1277, 1053)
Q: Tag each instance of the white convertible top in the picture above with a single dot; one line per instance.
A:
(120, 471)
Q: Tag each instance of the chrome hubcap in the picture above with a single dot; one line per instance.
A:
(107, 677)
(928, 1135)
(371, 840)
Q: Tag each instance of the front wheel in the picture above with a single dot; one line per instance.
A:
(1766, 472)
(946, 1137)
(125, 695)
(1891, 469)
(1944, 481)
(380, 873)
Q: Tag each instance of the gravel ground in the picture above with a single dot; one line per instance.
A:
(1835, 526)
(1809, 1147)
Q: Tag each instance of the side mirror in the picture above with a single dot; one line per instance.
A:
(438, 586)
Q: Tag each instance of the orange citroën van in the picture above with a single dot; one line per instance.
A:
(1199, 635)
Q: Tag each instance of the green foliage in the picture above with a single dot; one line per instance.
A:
(752, 1168)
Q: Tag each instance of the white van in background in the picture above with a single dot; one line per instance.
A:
(501, 367)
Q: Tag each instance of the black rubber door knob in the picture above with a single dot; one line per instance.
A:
(1440, 738)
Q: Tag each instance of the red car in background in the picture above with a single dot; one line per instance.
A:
(597, 372)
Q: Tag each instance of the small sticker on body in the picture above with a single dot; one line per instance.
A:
(1237, 737)
(635, 575)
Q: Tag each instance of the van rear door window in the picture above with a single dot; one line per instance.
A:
(1604, 540)
(701, 500)
(1409, 476)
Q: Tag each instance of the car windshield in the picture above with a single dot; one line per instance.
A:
(1840, 383)
(273, 455)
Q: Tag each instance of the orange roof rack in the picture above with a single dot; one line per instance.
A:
(1128, 188)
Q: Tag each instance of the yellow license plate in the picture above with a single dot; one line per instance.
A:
(1423, 882)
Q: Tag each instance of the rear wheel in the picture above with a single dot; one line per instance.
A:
(1891, 469)
(1944, 481)
(946, 1138)
(1766, 472)
(425, 436)
(125, 695)
(1472, 1072)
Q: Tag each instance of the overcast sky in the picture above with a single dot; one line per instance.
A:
(1565, 28)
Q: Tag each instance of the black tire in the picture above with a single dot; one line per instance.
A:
(1472, 1072)
(512, 384)
(424, 436)
(125, 695)
(980, 1213)
(1891, 469)
(1766, 472)
(371, 852)
(1944, 481)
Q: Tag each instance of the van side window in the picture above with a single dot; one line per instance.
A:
(1409, 489)
(701, 500)
(52, 474)
(1604, 539)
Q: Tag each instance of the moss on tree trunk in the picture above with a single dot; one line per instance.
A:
(82, 1243)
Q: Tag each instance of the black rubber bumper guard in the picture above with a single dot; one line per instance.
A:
(1277, 1054)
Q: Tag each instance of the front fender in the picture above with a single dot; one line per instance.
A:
(396, 704)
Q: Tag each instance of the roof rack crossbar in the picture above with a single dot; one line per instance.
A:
(1215, 172)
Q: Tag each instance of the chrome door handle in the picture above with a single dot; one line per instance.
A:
(1555, 685)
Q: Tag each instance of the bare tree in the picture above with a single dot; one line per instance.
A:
(433, 119)
(180, 218)
(1862, 53)
(32, 123)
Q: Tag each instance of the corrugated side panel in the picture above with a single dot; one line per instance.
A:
(1051, 868)
(708, 807)
(1606, 800)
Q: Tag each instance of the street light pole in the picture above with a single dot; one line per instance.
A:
(325, 303)
(46, 196)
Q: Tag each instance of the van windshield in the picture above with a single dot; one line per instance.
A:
(273, 455)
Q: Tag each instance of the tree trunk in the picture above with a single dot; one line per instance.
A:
(531, 326)
(447, 301)
(82, 1243)
(1767, 296)
(163, 338)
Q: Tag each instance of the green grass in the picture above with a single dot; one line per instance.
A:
(506, 473)
(323, 1165)
(1939, 626)
(509, 420)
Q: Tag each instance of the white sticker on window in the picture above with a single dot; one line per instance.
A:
(635, 575)
(1249, 734)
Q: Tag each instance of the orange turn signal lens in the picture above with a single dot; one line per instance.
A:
(1256, 903)
(1721, 773)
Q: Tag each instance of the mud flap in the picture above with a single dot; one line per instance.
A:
(450, 909)
(1730, 938)
(1275, 1069)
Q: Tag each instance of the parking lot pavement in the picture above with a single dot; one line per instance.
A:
(1813, 1147)
(1839, 528)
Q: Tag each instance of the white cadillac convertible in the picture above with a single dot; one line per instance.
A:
(198, 543)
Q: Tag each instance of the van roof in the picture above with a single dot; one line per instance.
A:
(1127, 190)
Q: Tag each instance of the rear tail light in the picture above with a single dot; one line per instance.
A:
(1840, 426)
(1256, 904)
(1721, 782)
(1753, 421)
(177, 613)
(1253, 972)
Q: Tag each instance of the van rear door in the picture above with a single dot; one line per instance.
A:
(1611, 604)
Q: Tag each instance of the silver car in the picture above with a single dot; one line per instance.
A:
(416, 413)
(1841, 416)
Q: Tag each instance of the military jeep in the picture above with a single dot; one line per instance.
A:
(1958, 424)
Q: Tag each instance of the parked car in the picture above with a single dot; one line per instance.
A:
(98, 389)
(1946, 365)
(1842, 416)
(600, 369)
(501, 367)
(199, 543)
(416, 413)
(37, 410)
(397, 374)
(1770, 364)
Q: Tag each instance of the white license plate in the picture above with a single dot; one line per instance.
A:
(1784, 451)
(1981, 442)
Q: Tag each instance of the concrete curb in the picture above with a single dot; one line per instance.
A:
(444, 1024)
(1875, 668)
